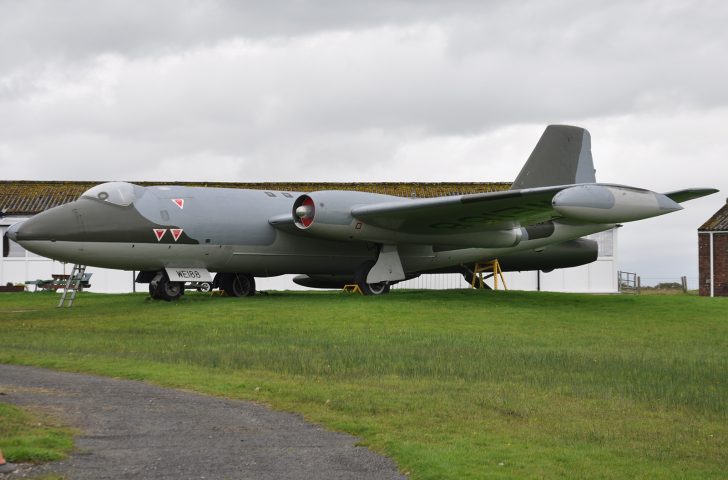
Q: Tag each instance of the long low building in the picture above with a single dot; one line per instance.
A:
(20, 200)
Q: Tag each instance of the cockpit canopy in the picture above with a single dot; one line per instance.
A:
(118, 193)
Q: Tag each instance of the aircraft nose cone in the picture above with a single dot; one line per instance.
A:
(12, 231)
(10, 234)
(54, 224)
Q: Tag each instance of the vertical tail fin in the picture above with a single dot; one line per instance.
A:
(562, 157)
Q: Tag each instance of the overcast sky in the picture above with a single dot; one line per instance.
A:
(372, 91)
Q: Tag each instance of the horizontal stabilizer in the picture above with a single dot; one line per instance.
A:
(680, 196)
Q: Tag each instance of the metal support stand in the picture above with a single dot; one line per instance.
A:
(496, 272)
(352, 288)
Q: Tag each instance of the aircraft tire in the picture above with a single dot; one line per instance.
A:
(166, 290)
(360, 278)
(238, 284)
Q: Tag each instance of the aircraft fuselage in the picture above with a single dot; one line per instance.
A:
(332, 237)
(224, 230)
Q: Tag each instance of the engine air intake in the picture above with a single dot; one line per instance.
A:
(304, 211)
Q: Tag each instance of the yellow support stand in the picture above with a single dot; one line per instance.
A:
(352, 288)
(492, 266)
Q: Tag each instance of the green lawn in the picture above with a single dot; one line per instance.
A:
(27, 436)
(451, 384)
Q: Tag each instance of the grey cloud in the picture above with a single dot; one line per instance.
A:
(41, 30)
(442, 67)
(277, 83)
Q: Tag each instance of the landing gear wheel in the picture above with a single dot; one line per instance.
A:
(163, 289)
(238, 284)
(204, 287)
(360, 278)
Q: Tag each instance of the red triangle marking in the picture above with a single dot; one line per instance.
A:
(176, 233)
(159, 233)
(180, 202)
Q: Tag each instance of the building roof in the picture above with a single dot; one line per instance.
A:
(718, 222)
(23, 197)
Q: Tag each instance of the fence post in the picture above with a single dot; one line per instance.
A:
(639, 285)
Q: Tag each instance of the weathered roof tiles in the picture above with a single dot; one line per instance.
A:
(718, 222)
(23, 197)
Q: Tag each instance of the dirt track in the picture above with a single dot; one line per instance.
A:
(136, 430)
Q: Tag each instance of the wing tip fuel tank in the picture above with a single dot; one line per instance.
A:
(611, 203)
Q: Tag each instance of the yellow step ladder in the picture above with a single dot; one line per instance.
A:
(494, 267)
(352, 288)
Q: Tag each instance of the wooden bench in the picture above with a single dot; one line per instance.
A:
(59, 280)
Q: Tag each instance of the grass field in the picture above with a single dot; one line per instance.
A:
(27, 436)
(451, 384)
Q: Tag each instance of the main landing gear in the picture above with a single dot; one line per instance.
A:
(160, 288)
(233, 284)
(360, 278)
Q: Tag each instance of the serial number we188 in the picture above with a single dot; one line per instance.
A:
(188, 274)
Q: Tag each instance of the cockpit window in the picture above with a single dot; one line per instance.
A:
(118, 193)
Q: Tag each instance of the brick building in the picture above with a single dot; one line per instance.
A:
(713, 254)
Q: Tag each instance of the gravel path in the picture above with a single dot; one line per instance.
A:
(136, 430)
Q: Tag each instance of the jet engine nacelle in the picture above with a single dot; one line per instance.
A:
(571, 253)
(327, 213)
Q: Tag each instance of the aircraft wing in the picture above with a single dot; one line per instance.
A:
(474, 213)
(680, 196)
(349, 215)
(488, 211)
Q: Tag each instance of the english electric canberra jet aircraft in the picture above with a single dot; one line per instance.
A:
(175, 234)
